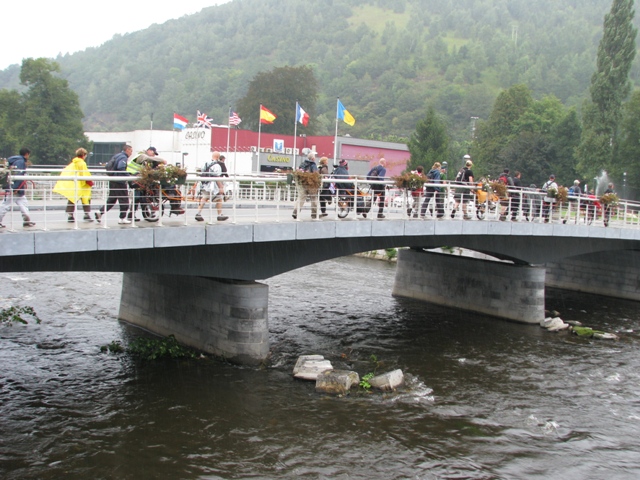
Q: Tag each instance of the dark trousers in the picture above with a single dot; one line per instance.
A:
(117, 193)
(433, 193)
(381, 194)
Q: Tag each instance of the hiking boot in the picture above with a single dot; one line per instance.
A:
(87, 218)
(324, 214)
(98, 216)
(124, 221)
(70, 219)
(294, 215)
(29, 223)
(199, 218)
(380, 215)
(2, 226)
(222, 218)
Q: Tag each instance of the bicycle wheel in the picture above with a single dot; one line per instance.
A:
(343, 207)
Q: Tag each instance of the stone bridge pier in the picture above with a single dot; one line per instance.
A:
(500, 289)
(227, 318)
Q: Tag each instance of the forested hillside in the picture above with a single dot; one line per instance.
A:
(387, 60)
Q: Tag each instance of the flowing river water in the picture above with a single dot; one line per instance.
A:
(483, 398)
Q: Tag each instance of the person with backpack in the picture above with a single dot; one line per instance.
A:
(308, 166)
(118, 191)
(550, 188)
(433, 191)
(464, 177)
(16, 191)
(515, 198)
(378, 173)
(214, 190)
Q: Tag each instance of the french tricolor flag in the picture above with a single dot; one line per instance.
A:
(301, 115)
(179, 121)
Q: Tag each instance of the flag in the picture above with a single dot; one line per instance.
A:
(234, 119)
(302, 116)
(204, 121)
(344, 115)
(179, 121)
(266, 116)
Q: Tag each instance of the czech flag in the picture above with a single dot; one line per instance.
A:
(266, 116)
(179, 121)
(302, 116)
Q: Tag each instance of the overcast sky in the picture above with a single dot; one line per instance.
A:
(44, 28)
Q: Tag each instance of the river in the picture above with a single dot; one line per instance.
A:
(484, 398)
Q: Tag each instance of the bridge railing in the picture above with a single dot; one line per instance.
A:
(269, 198)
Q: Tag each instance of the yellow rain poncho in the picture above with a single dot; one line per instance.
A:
(68, 188)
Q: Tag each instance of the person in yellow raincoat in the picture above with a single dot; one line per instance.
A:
(74, 191)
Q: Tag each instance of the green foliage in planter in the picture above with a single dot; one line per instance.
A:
(609, 199)
(164, 174)
(409, 181)
(17, 314)
(310, 181)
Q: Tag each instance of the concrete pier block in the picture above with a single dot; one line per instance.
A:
(495, 288)
(224, 318)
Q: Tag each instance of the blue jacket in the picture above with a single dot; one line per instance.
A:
(19, 164)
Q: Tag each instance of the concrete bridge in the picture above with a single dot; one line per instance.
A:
(198, 281)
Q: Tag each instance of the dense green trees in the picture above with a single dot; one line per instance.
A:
(610, 86)
(430, 142)
(46, 117)
(278, 90)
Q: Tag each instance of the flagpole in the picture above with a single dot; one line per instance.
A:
(259, 130)
(295, 136)
(335, 138)
(235, 153)
(229, 128)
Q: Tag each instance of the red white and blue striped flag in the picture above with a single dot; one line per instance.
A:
(234, 119)
(179, 121)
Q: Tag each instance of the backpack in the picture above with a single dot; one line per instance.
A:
(306, 166)
(373, 173)
(460, 175)
(112, 164)
(431, 175)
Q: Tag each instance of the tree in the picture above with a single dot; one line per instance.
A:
(430, 142)
(9, 118)
(278, 90)
(51, 119)
(629, 152)
(494, 134)
(610, 86)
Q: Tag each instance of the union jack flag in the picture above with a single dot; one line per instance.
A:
(203, 120)
(234, 119)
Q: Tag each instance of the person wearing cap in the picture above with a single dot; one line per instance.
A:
(550, 188)
(309, 166)
(464, 177)
(341, 172)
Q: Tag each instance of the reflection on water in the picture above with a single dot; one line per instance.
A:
(484, 398)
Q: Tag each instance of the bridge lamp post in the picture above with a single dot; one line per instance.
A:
(624, 184)
(184, 154)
